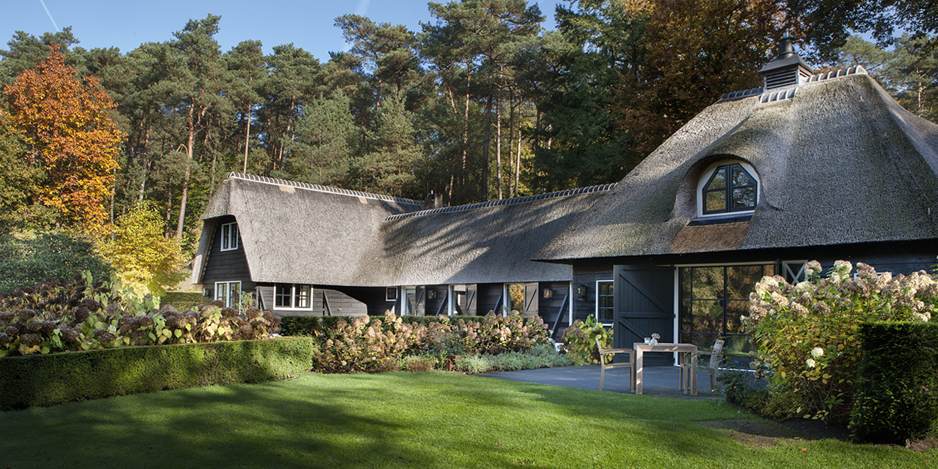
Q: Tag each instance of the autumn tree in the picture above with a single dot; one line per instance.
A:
(65, 126)
(141, 254)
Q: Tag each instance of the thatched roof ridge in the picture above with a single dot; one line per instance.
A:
(839, 162)
(510, 201)
(318, 188)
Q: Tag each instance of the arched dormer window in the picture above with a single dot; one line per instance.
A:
(727, 188)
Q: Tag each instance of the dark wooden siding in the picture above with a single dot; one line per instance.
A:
(226, 266)
(586, 275)
(488, 297)
(437, 305)
(554, 308)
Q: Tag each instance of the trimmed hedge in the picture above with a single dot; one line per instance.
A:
(181, 299)
(897, 383)
(42, 380)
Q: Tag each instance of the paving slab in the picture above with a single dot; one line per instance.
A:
(660, 381)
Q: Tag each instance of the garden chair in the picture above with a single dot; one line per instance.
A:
(611, 352)
(713, 367)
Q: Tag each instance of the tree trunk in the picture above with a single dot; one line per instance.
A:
(498, 146)
(190, 150)
(512, 189)
(247, 139)
(485, 149)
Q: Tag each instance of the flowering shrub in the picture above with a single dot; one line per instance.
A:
(807, 333)
(579, 340)
(378, 343)
(82, 315)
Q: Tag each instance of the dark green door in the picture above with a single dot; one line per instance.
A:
(643, 303)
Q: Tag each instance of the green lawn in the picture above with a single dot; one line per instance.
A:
(432, 419)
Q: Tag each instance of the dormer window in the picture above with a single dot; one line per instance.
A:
(229, 237)
(727, 188)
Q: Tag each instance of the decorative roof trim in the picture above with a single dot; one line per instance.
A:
(318, 188)
(512, 201)
(740, 94)
(837, 74)
(789, 93)
(780, 95)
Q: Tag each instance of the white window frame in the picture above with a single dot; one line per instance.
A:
(596, 301)
(797, 276)
(702, 183)
(293, 297)
(228, 288)
(229, 237)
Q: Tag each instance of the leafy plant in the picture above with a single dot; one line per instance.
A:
(580, 341)
(806, 334)
(83, 315)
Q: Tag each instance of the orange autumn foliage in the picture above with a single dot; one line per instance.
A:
(65, 124)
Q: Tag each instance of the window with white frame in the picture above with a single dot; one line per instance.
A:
(292, 296)
(229, 237)
(604, 301)
(727, 188)
(793, 271)
(229, 292)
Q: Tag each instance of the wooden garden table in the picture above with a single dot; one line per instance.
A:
(640, 348)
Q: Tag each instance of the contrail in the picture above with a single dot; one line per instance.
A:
(50, 15)
(362, 8)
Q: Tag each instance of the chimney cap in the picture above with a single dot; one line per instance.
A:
(787, 58)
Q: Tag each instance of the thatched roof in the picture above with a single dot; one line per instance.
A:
(839, 162)
(300, 233)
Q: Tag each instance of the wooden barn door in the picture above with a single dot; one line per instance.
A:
(472, 300)
(643, 304)
(530, 300)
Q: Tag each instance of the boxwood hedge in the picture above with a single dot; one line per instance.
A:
(40, 380)
(897, 383)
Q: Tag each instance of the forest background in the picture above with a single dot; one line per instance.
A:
(123, 149)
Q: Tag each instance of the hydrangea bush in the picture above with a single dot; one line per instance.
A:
(379, 343)
(57, 316)
(806, 334)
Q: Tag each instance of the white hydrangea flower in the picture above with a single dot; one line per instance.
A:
(810, 362)
(817, 352)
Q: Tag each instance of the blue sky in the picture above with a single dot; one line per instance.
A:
(128, 23)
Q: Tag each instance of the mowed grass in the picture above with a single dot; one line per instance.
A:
(432, 419)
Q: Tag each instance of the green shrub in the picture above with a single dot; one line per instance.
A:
(181, 300)
(473, 364)
(419, 364)
(48, 256)
(307, 326)
(40, 380)
(807, 334)
(897, 387)
(540, 356)
(580, 341)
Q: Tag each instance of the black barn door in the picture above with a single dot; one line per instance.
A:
(644, 304)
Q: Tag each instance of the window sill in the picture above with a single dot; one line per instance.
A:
(718, 219)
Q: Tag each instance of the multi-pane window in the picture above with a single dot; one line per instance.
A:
(290, 296)
(729, 189)
(604, 300)
(229, 237)
(229, 292)
(712, 300)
